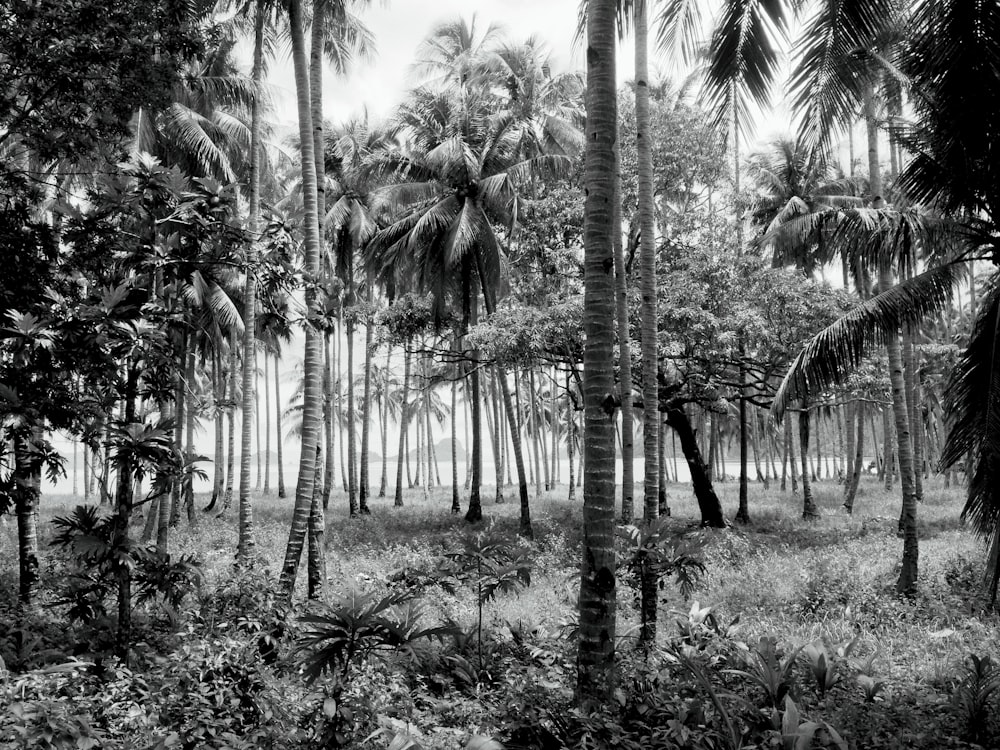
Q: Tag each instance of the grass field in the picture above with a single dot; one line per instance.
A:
(830, 579)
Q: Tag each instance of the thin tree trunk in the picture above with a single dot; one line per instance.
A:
(227, 497)
(256, 425)
(663, 503)
(329, 423)
(858, 460)
(366, 417)
(470, 316)
(189, 454)
(267, 427)
(383, 482)
(279, 435)
(218, 465)
(403, 424)
(456, 503)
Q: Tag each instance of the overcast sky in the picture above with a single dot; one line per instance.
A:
(401, 25)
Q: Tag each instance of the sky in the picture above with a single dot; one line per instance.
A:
(399, 27)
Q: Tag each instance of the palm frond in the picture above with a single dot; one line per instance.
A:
(836, 351)
(679, 30)
(826, 84)
(744, 59)
(972, 401)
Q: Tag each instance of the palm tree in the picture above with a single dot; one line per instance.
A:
(595, 676)
(462, 170)
(946, 46)
(313, 364)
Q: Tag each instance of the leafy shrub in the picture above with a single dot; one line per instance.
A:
(214, 694)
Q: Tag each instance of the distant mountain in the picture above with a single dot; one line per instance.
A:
(442, 449)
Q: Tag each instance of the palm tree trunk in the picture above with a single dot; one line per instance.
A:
(366, 417)
(701, 481)
(279, 435)
(554, 411)
(267, 427)
(352, 446)
(598, 595)
(570, 442)
(27, 481)
(227, 496)
(858, 460)
(179, 404)
(470, 309)
(524, 527)
(908, 518)
(383, 482)
(245, 546)
(456, 504)
(218, 465)
(256, 424)
(316, 553)
(664, 505)
(329, 422)
(647, 276)
(313, 364)
(809, 510)
(403, 424)
(533, 429)
(192, 515)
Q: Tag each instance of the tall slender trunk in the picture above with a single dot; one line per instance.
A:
(246, 544)
(267, 426)
(470, 316)
(647, 277)
(624, 350)
(256, 426)
(279, 435)
(554, 412)
(313, 362)
(192, 515)
(570, 441)
(123, 512)
(664, 505)
(908, 518)
(352, 445)
(329, 423)
(456, 503)
(403, 425)
(180, 401)
(809, 510)
(383, 482)
(524, 526)
(366, 416)
(598, 594)
(858, 460)
(219, 395)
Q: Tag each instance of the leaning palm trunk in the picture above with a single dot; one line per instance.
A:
(313, 362)
(598, 596)
(808, 504)
(245, 547)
